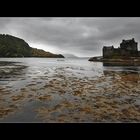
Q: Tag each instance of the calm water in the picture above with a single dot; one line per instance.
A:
(67, 90)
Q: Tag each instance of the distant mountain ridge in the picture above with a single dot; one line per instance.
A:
(11, 46)
(69, 56)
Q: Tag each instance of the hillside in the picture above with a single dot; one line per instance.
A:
(11, 46)
(42, 53)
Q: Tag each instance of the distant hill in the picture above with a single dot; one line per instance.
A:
(69, 56)
(11, 46)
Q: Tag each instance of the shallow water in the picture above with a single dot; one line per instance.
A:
(67, 90)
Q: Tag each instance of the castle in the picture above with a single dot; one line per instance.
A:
(127, 49)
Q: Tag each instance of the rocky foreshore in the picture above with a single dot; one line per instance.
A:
(63, 97)
(67, 94)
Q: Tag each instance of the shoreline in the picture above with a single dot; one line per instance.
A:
(123, 62)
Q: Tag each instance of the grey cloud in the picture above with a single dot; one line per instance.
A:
(81, 36)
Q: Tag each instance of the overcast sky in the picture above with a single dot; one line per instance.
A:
(78, 36)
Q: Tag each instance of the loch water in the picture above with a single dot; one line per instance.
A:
(68, 90)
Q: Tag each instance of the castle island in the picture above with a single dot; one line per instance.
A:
(126, 53)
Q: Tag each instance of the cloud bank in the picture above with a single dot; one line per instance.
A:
(78, 36)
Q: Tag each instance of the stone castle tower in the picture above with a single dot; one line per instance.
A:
(127, 49)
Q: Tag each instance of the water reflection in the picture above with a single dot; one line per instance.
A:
(121, 63)
(127, 71)
(125, 76)
(11, 70)
(11, 74)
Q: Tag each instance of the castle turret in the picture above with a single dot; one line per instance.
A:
(108, 51)
(129, 45)
(129, 48)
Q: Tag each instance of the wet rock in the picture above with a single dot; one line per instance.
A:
(45, 98)
(4, 111)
